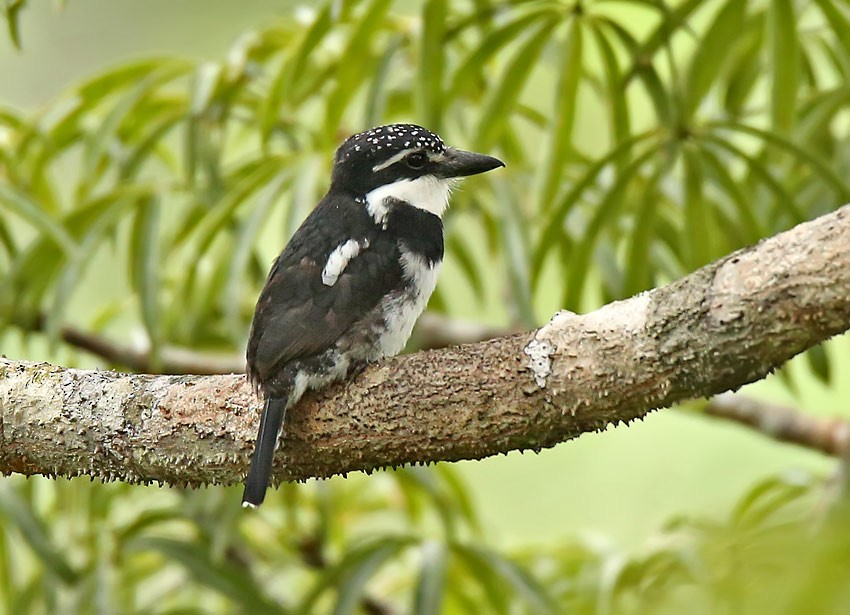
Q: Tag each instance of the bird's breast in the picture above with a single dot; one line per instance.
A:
(401, 307)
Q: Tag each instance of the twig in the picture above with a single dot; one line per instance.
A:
(172, 359)
(827, 435)
(432, 331)
(435, 331)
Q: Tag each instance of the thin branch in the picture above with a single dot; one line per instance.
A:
(432, 331)
(827, 435)
(172, 359)
(435, 331)
(723, 326)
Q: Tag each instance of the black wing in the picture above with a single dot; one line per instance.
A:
(297, 315)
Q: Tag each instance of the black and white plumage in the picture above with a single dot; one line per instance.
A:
(350, 284)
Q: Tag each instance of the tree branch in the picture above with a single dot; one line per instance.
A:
(827, 435)
(171, 360)
(723, 326)
(432, 331)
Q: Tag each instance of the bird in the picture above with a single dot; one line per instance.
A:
(349, 285)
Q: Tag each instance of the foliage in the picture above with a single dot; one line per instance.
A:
(644, 139)
(407, 543)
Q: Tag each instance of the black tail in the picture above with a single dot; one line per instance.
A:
(260, 472)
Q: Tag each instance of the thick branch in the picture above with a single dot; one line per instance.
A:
(719, 328)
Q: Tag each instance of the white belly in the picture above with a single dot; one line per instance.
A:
(402, 308)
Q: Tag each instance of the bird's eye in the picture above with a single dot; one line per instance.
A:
(416, 160)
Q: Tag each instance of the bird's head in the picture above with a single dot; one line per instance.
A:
(405, 162)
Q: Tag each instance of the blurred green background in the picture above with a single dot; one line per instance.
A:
(643, 139)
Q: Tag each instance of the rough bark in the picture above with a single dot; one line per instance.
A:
(725, 325)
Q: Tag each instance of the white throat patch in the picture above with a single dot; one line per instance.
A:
(428, 193)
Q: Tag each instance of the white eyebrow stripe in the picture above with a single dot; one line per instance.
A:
(339, 258)
(391, 161)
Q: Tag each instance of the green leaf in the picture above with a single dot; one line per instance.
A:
(516, 248)
(352, 573)
(566, 102)
(768, 498)
(784, 200)
(103, 214)
(785, 63)
(350, 75)
(430, 587)
(510, 574)
(745, 67)
(819, 364)
(379, 86)
(819, 112)
(231, 300)
(19, 203)
(314, 35)
(511, 83)
(142, 151)
(97, 145)
(718, 174)
(469, 72)
(146, 519)
(6, 240)
(553, 231)
(711, 53)
(114, 81)
(662, 101)
(459, 493)
(22, 517)
(206, 80)
(252, 176)
(199, 152)
(11, 11)
(461, 254)
(605, 214)
(697, 247)
(667, 27)
(360, 566)
(638, 260)
(145, 265)
(838, 21)
(616, 101)
(417, 481)
(809, 156)
(432, 63)
(230, 581)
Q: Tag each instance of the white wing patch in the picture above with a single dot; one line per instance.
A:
(339, 258)
(428, 193)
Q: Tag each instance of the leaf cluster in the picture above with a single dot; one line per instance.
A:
(402, 542)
